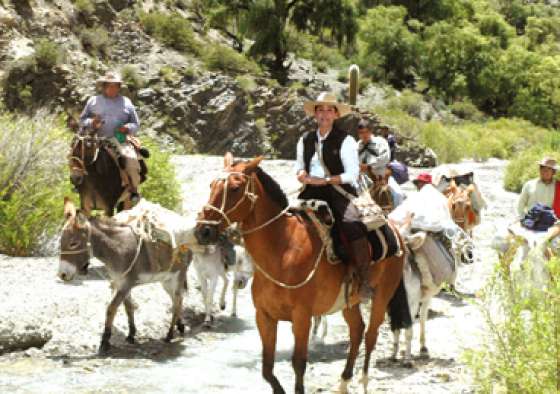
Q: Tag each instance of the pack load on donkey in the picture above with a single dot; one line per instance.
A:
(143, 245)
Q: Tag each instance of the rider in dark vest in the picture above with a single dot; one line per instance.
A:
(339, 154)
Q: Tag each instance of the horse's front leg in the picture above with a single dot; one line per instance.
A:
(353, 318)
(234, 301)
(118, 298)
(267, 330)
(224, 290)
(209, 302)
(301, 327)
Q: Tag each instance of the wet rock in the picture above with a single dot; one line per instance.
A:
(19, 334)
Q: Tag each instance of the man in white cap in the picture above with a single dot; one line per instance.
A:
(328, 167)
(540, 190)
(114, 117)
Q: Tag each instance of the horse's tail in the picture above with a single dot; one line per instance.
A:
(399, 310)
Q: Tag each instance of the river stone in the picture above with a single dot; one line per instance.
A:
(22, 332)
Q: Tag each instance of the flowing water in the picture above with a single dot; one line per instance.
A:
(225, 358)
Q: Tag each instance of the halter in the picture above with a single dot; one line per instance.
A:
(83, 250)
(81, 164)
(88, 248)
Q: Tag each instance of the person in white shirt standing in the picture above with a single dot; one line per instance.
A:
(326, 158)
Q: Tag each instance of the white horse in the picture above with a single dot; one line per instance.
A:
(209, 267)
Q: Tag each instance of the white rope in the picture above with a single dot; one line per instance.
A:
(268, 222)
(296, 286)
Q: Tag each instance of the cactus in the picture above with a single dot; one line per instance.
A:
(353, 83)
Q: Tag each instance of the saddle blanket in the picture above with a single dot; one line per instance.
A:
(384, 243)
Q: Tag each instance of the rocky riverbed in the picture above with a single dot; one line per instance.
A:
(65, 321)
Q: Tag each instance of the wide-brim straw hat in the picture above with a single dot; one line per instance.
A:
(548, 162)
(326, 98)
(109, 77)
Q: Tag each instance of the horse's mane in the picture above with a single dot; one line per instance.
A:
(272, 188)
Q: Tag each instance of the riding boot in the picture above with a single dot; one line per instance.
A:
(362, 261)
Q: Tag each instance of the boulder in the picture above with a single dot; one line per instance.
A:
(21, 332)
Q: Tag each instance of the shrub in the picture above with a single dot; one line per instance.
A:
(246, 83)
(169, 74)
(95, 40)
(172, 30)
(466, 110)
(47, 53)
(222, 58)
(519, 351)
(408, 101)
(162, 185)
(132, 77)
(85, 7)
(33, 182)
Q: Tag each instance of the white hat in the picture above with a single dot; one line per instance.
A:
(326, 98)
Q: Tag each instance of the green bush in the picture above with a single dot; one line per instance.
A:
(96, 41)
(247, 83)
(466, 110)
(222, 58)
(132, 78)
(520, 346)
(172, 30)
(33, 182)
(523, 167)
(409, 102)
(47, 53)
(162, 185)
(85, 7)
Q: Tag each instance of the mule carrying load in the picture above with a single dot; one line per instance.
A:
(143, 245)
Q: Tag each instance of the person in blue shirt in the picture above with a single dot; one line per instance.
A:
(114, 117)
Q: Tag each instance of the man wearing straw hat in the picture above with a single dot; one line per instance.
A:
(114, 117)
(326, 158)
(542, 190)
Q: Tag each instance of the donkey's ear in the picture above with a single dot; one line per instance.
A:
(252, 165)
(69, 208)
(228, 160)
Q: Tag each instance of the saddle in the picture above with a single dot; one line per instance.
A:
(383, 240)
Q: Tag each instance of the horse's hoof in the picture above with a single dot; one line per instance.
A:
(181, 328)
(424, 353)
(168, 338)
(223, 306)
(233, 314)
(130, 339)
(104, 348)
(408, 363)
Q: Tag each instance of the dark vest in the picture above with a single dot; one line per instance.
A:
(331, 153)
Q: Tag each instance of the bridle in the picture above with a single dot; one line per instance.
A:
(78, 164)
(248, 194)
(86, 249)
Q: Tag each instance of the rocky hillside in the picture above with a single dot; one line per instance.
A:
(51, 52)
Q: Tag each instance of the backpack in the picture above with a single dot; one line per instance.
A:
(400, 171)
(539, 218)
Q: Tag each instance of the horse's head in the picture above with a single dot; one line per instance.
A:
(74, 243)
(461, 206)
(232, 199)
(85, 150)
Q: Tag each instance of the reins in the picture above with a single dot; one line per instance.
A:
(81, 164)
(249, 193)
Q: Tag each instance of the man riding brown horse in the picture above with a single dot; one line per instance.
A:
(327, 161)
(113, 117)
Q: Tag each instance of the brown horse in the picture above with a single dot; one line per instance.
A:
(94, 173)
(460, 203)
(293, 280)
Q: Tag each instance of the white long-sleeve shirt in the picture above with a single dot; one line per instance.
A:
(376, 154)
(348, 155)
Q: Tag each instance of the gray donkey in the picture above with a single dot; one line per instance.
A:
(129, 262)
